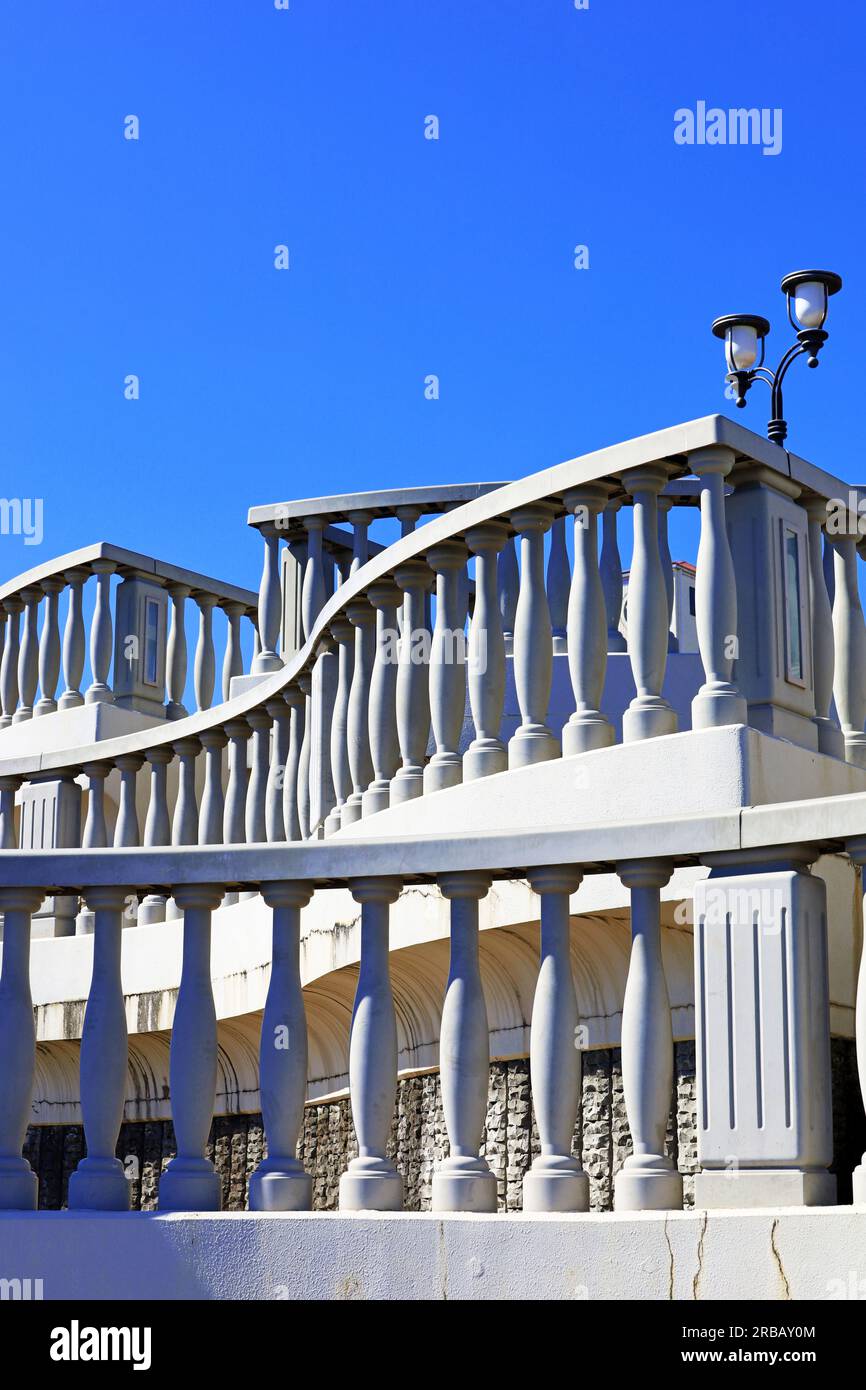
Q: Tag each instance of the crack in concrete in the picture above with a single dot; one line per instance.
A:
(671, 1257)
(700, 1269)
(777, 1257)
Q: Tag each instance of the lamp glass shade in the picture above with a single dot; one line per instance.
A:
(742, 345)
(810, 304)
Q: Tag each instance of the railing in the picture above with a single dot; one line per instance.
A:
(147, 658)
(795, 1136)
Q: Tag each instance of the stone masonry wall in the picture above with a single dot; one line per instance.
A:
(419, 1139)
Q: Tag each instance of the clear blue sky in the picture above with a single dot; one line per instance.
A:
(408, 256)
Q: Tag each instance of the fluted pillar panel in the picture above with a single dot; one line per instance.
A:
(849, 633)
(649, 714)
(176, 655)
(279, 1182)
(101, 632)
(9, 661)
(278, 712)
(371, 1182)
(255, 824)
(190, 1182)
(184, 825)
(647, 1180)
(204, 668)
(296, 702)
(508, 587)
(382, 705)
(532, 741)
(73, 641)
(270, 603)
(28, 657)
(126, 830)
(464, 1181)
(486, 753)
(610, 566)
(830, 738)
(556, 1181)
(99, 1182)
(49, 648)
(718, 701)
(558, 583)
(363, 619)
(447, 677)
(412, 699)
(212, 810)
(18, 1185)
(233, 657)
(587, 624)
(341, 774)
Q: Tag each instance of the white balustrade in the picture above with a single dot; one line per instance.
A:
(190, 1182)
(270, 604)
(157, 827)
(297, 709)
(830, 739)
(647, 1180)
(99, 1182)
(73, 641)
(313, 592)
(238, 731)
(323, 693)
(341, 774)
(664, 506)
(610, 565)
(101, 629)
(857, 850)
(363, 619)
(412, 701)
(849, 633)
(371, 1182)
(184, 825)
(649, 714)
(279, 1183)
(508, 587)
(204, 667)
(49, 648)
(233, 658)
(278, 712)
(447, 676)
(28, 656)
(126, 831)
(9, 662)
(382, 705)
(305, 682)
(212, 811)
(176, 658)
(18, 1185)
(255, 824)
(486, 753)
(359, 521)
(718, 701)
(587, 728)
(532, 742)
(558, 584)
(95, 833)
(464, 1181)
(556, 1181)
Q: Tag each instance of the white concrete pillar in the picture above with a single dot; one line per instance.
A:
(341, 774)
(532, 742)
(28, 657)
(486, 753)
(184, 825)
(849, 634)
(647, 1180)
(297, 707)
(363, 619)
(213, 808)
(447, 674)
(610, 567)
(556, 1181)
(278, 712)
(73, 641)
(190, 1182)
(587, 626)
(280, 1183)
(204, 668)
(270, 605)
(371, 1181)
(413, 682)
(649, 714)
(176, 658)
(18, 1184)
(463, 1181)
(508, 587)
(99, 1182)
(762, 1030)
(126, 831)
(9, 662)
(718, 702)
(830, 739)
(255, 825)
(49, 648)
(233, 657)
(382, 708)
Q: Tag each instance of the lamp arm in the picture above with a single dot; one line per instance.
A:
(795, 350)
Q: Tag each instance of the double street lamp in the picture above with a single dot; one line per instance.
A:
(808, 295)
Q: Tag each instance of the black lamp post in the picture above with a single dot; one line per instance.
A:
(808, 294)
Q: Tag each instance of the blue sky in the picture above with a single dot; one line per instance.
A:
(408, 256)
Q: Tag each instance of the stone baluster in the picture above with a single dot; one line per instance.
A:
(28, 656)
(532, 741)
(664, 506)
(101, 629)
(305, 681)
(176, 653)
(95, 834)
(464, 1181)
(238, 731)
(486, 753)
(830, 739)
(233, 660)
(8, 788)
(270, 604)
(830, 573)
(556, 1181)
(648, 1180)
(382, 705)
(126, 832)
(857, 850)
(359, 522)
(610, 566)
(849, 634)
(212, 809)
(280, 1183)
(297, 711)
(18, 1185)
(508, 585)
(2, 636)
(190, 1182)
(99, 1182)
(49, 648)
(447, 676)
(184, 826)
(277, 711)
(204, 668)
(257, 641)
(558, 582)
(371, 1182)
(157, 827)
(9, 663)
(718, 701)
(413, 692)
(255, 826)
(363, 619)
(587, 626)
(313, 591)
(649, 713)
(73, 641)
(341, 774)
(323, 693)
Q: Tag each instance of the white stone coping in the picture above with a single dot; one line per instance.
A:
(382, 502)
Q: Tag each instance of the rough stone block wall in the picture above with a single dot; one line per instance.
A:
(419, 1140)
